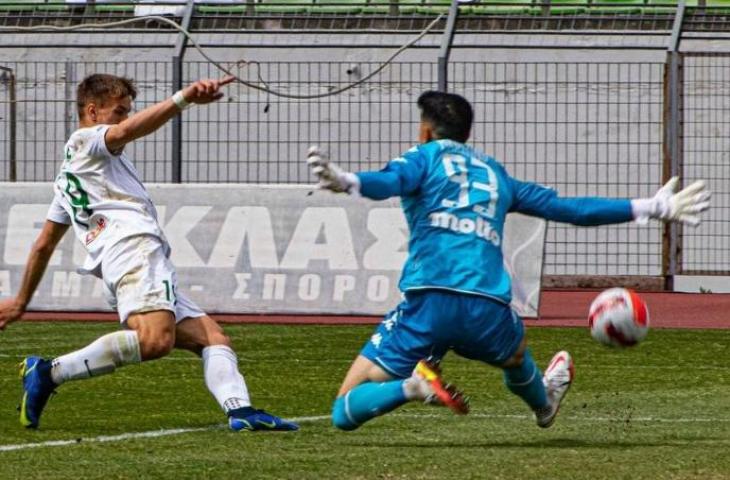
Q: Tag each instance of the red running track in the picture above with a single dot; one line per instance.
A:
(666, 310)
(558, 309)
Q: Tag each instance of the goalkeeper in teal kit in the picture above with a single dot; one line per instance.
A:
(456, 291)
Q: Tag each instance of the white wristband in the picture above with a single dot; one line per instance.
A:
(180, 101)
(353, 183)
(642, 210)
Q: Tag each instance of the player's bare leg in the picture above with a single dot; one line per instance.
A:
(155, 331)
(150, 335)
(362, 370)
(195, 334)
(204, 337)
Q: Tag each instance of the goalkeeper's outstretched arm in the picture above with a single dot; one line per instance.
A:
(399, 177)
(666, 205)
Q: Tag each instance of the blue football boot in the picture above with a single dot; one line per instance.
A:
(248, 418)
(37, 388)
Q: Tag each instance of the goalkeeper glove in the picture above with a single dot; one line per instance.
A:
(330, 176)
(683, 206)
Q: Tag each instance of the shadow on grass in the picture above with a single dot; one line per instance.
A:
(555, 443)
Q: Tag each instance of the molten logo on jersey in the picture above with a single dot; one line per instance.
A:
(479, 227)
(100, 223)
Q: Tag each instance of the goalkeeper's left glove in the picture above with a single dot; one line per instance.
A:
(684, 206)
(330, 176)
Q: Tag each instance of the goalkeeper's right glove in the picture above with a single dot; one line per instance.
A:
(684, 206)
(330, 176)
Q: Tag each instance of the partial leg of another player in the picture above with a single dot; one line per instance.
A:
(542, 393)
(391, 371)
(493, 333)
(204, 337)
(368, 391)
(558, 377)
(151, 335)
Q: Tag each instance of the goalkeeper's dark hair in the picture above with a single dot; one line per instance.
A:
(449, 114)
(100, 87)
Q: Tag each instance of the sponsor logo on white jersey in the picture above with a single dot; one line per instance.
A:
(100, 222)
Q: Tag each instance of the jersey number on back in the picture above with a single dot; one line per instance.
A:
(79, 200)
(476, 192)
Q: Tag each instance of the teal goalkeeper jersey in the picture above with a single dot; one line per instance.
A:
(455, 201)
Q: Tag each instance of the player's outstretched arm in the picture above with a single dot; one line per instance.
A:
(153, 117)
(683, 206)
(539, 201)
(12, 309)
(401, 176)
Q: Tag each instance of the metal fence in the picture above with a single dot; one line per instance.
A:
(45, 109)
(260, 138)
(586, 128)
(706, 154)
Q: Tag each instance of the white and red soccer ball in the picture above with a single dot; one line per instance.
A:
(618, 317)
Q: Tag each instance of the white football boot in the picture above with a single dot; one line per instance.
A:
(557, 380)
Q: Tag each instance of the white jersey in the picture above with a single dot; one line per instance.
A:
(100, 194)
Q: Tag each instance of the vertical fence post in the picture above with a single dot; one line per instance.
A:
(69, 74)
(672, 144)
(445, 50)
(176, 123)
(90, 9)
(545, 11)
(12, 127)
(393, 9)
(177, 84)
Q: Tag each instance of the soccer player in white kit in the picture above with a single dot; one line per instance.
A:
(98, 192)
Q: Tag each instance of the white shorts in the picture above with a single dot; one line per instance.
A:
(139, 277)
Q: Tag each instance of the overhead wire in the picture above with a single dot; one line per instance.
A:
(265, 86)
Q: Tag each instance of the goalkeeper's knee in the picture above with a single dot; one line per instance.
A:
(339, 415)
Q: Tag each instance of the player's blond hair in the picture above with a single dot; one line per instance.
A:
(100, 87)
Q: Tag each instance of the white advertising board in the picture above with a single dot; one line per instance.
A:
(258, 249)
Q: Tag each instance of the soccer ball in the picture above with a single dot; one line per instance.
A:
(618, 317)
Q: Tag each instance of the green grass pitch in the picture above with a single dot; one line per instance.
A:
(661, 410)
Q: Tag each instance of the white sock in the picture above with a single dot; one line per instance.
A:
(416, 389)
(223, 379)
(100, 357)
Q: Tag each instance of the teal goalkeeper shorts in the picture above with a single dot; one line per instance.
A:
(429, 323)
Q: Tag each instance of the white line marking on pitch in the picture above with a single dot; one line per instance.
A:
(316, 418)
(127, 436)
(601, 367)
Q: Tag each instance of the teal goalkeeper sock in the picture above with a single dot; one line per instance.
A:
(525, 381)
(367, 401)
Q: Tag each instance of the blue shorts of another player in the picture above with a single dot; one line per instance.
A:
(429, 323)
